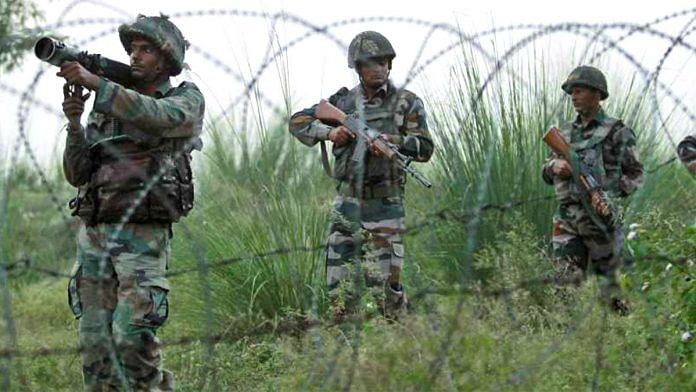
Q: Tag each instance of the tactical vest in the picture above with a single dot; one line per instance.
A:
(146, 177)
(590, 151)
(379, 172)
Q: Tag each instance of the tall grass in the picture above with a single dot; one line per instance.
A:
(509, 118)
(274, 197)
(35, 227)
(267, 191)
(263, 193)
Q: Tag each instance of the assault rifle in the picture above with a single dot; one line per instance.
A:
(330, 113)
(56, 53)
(581, 172)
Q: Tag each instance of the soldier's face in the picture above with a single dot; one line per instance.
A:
(374, 72)
(584, 99)
(146, 61)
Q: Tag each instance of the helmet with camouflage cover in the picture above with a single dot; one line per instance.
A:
(368, 45)
(162, 33)
(587, 76)
(687, 152)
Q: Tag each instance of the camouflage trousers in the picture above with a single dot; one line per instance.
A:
(365, 243)
(579, 244)
(119, 294)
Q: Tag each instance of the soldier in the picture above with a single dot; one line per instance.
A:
(367, 217)
(687, 153)
(132, 164)
(608, 147)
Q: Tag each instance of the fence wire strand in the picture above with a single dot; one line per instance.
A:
(471, 219)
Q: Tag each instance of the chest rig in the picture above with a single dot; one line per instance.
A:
(137, 177)
(591, 151)
(382, 117)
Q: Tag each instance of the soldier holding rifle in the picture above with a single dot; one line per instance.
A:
(594, 162)
(376, 129)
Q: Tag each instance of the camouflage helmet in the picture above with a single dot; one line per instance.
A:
(587, 76)
(368, 45)
(687, 149)
(162, 33)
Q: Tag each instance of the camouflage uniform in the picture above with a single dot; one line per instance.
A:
(119, 289)
(687, 153)
(367, 218)
(608, 148)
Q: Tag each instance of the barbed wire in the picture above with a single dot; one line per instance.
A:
(445, 214)
(433, 26)
(313, 29)
(523, 372)
(437, 363)
(295, 327)
(470, 218)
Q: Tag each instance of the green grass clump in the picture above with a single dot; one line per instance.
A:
(483, 316)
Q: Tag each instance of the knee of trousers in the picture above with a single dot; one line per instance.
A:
(140, 311)
(384, 263)
(606, 247)
(567, 244)
(92, 301)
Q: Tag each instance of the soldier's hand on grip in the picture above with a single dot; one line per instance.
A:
(375, 150)
(74, 104)
(341, 135)
(75, 73)
(561, 168)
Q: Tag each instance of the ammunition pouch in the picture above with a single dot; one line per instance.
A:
(381, 119)
(84, 205)
(172, 196)
(137, 187)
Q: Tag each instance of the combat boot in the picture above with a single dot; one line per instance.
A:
(395, 302)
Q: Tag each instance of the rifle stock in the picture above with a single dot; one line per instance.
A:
(558, 144)
(328, 112)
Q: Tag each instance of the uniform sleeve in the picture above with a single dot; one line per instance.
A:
(308, 129)
(627, 153)
(416, 141)
(77, 161)
(177, 115)
(547, 169)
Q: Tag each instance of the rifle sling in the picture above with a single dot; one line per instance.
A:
(325, 159)
(574, 161)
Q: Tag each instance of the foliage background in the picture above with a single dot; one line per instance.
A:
(483, 319)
